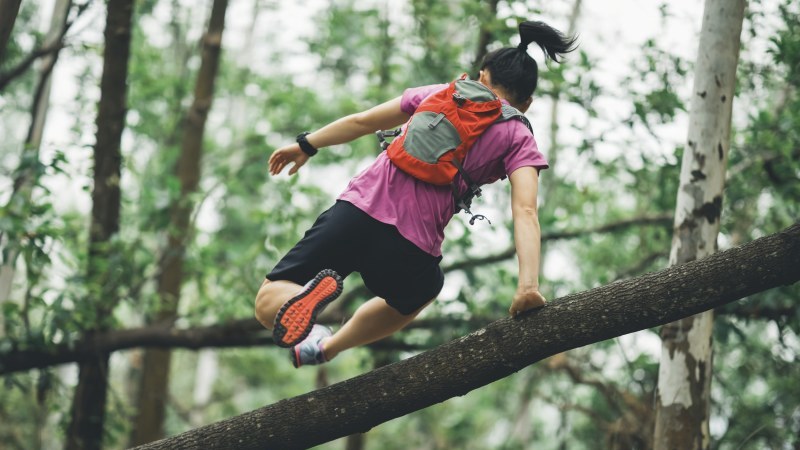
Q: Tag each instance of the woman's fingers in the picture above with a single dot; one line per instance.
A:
(276, 163)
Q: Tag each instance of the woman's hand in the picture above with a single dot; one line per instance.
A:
(526, 299)
(283, 156)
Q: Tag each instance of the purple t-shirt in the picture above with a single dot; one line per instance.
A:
(421, 210)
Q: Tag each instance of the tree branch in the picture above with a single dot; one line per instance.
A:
(237, 333)
(44, 50)
(656, 220)
(248, 332)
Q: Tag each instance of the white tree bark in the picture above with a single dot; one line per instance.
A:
(684, 384)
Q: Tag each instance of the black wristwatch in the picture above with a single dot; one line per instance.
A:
(305, 146)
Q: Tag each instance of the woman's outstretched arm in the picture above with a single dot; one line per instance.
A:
(381, 117)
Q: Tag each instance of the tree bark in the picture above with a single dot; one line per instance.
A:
(149, 422)
(85, 430)
(10, 9)
(683, 396)
(504, 347)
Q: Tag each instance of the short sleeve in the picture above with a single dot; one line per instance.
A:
(412, 97)
(523, 151)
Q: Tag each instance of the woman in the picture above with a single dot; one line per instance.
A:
(389, 226)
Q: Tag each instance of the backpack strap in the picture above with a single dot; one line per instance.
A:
(465, 201)
(508, 112)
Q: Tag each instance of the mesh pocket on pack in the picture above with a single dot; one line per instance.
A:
(429, 136)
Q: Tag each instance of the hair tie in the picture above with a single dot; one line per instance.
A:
(522, 47)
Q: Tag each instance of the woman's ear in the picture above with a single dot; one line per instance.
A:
(526, 104)
(484, 78)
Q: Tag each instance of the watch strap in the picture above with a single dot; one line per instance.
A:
(305, 146)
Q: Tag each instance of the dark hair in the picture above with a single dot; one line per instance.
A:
(513, 69)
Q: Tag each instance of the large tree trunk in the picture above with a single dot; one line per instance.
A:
(9, 9)
(149, 422)
(88, 405)
(684, 383)
(504, 347)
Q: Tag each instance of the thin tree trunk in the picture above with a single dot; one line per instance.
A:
(9, 9)
(684, 383)
(26, 174)
(521, 429)
(205, 375)
(504, 347)
(356, 441)
(88, 405)
(484, 38)
(553, 151)
(385, 47)
(149, 422)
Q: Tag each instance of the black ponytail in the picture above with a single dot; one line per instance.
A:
(552, 42)
(514, 70)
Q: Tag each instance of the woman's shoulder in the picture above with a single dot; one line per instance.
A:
(413, 96)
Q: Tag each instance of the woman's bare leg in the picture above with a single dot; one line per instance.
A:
(372, 321)
(271, 296)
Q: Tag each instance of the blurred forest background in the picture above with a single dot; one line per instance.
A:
(159, 276)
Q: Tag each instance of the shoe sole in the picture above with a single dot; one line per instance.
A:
(298, 315)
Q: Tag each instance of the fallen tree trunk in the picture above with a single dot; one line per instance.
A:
(504, 347)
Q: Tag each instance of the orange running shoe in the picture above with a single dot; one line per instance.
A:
(297, 316)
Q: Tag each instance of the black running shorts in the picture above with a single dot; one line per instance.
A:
(346, 239)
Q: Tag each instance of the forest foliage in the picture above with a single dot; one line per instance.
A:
(611, 121)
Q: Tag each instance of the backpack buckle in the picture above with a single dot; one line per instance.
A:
(464, 205)
(478, 217)
(459, 99)
(465, 202)
(383, 134)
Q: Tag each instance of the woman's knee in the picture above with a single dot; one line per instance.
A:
(410, 314)
(419, 310)
(264, 310)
